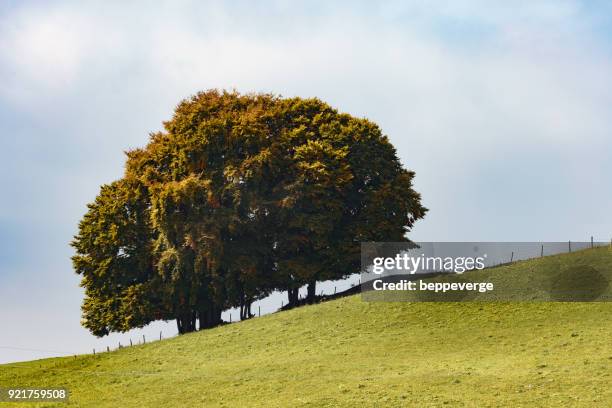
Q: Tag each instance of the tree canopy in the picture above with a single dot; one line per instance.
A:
(241, 195)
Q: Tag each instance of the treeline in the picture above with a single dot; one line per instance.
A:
(241, 195)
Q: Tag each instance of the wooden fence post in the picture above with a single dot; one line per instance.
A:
(143, 339)
(542, 251)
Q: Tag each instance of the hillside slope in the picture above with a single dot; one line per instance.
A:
(353, 353)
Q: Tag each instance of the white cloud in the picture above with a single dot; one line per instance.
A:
(43, 49)
(533, 80)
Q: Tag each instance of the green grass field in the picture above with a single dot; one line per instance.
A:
(351, 353)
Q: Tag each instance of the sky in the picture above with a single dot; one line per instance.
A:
(501, 108)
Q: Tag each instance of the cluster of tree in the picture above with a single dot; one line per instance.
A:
(241, 195)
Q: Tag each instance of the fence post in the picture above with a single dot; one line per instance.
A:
(130, 342)
(591, 241)
(542, 251)
(230, 317)
(259, 311)
(569, 246)
(119, 344)
(143, 339)
(94, 351)
(512, 257)
(334, 290)
(160, 334)
(107, 349)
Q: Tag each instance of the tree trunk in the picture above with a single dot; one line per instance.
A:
(209, 317)
(202, 319)
(245, 309)
(215, 316)
(312, 291)
(242, 305)
(293, 296)
(193, 320)
(248, 309)
(185, 322)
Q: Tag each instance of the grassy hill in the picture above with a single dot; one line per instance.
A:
(348, 353)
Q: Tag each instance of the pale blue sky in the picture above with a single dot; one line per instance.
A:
(501, 108)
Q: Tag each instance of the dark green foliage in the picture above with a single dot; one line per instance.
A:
(240, 196)
(114, 257)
